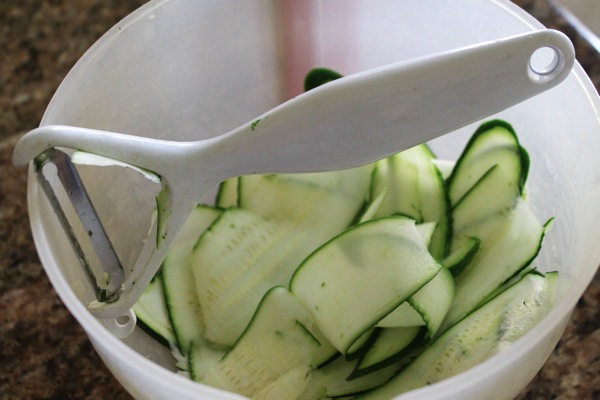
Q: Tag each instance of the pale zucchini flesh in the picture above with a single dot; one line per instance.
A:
(359, 277)
(428, 306)
(228, 194)
(281, 219)
(403, 316)
(390, 346)
(308, 199)
(151, 311)
(414, 323)
(463, 251)
(477, 337)
(333, 380)
(361, 345)
(234, 264)
(509, 242)
(492, 145)
(276, 342)
(414, 187)
(201, 357)
(434, 300)
(180, 293)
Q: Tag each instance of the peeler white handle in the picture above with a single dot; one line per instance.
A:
(358, 119)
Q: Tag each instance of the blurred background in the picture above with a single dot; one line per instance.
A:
(44, 353)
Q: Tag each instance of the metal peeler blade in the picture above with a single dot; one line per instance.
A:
(107, 288)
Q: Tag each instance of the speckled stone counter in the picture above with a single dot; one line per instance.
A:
(44, 353)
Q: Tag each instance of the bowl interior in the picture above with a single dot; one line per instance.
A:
(189, 70)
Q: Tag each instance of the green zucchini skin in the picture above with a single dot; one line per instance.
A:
(319, 76)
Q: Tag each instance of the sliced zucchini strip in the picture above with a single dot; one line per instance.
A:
(360, 276)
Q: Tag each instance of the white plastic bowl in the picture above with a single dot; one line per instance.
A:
(191, 69)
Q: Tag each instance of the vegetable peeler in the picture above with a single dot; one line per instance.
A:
(352, 121)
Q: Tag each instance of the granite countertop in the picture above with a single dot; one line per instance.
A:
(44, 353)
